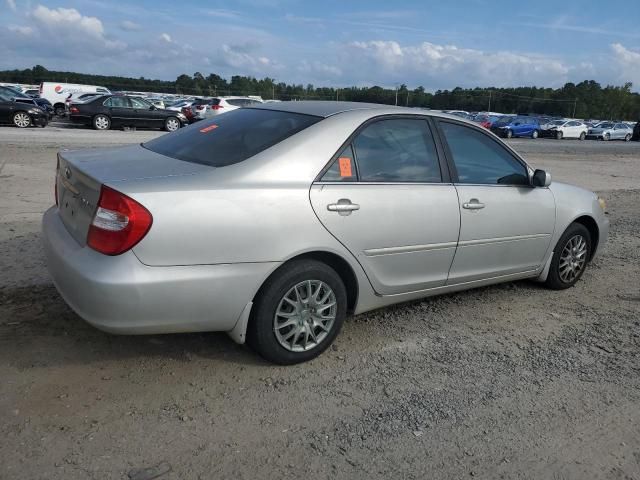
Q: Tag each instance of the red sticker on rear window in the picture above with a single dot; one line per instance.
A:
(209, 128)
(345, 166)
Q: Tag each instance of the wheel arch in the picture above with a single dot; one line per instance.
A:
(594, 231)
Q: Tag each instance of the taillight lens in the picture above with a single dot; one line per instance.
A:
(216, 107)
(199, 107)
(118, 224)
(74, 110)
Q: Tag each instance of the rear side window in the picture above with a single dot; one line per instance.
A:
(232, 137)
(399, 150)
(481, 160)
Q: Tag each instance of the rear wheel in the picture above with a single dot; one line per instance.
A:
(509, 134)
(535, 134)
(21, 119)
(101, 122)
(59, 110)
(298, 312)
(570, 257)
(627, 138)
(171, 124)
(583, 136)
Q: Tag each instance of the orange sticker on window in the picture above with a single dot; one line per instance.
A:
(209, 128)
(345, 167)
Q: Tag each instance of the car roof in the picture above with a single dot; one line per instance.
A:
(324, 108)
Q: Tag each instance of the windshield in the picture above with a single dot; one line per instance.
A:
(558, 122)
(232, 137)
(605, 125)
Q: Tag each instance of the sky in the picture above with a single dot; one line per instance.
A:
(437, 45)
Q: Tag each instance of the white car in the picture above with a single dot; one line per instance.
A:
(57, 93)
(566, 129)
(219, 105)
(178, 106)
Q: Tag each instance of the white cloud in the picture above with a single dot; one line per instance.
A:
(22, 30)
(629, 64)
(129, 26)
(444, 66)
(12, 5)
(319, 69)
(165, 37)
(68, 18)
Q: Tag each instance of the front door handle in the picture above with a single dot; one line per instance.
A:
(343, 206)
(473, 204)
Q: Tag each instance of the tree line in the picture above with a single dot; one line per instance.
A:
(587, 99)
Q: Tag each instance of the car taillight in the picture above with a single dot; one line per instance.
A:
(55, 181)
(199, 107)
(118, 224)
(74, 109)
(216, 107)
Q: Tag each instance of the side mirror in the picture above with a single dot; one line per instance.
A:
(541, 179)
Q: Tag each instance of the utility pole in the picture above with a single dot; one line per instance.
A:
(337, 90)
(575, 102)
(489, 108)
(396, 94)
(273, 92)
(407, 104)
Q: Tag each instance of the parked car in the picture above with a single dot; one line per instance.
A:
(560, 129)
(179, 105)
(57, 93)
(20, 112)
(32, 92)
(108, 111)
(42, 103)
(274, 222)
(210, 107)
(487, 120)
(611, 131)
(636, 132)
(518, 126)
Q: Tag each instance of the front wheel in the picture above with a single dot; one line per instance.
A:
(583, 136)
(509, 134)
(627, 138)
(21, 119)
(60, 111)
(570, 257)
(559, 135)
(171, 124)
(298, 312)
(534, 134)
(606, 137)
(101, 122)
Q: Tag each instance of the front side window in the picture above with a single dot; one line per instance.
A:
(481, 160)
(397, 150)
(139, 103)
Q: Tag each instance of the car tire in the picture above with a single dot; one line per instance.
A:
(101, 122)
(583, 136)
(508, 134)
(570, 257)
(606, 137)
(292, 287)
(22, 119)
(627, 138)
(559, 135)
(535, 134)
(171, 124)
(60, 111)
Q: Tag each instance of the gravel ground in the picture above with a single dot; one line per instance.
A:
(510, 381)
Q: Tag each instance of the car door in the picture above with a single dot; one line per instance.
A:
(6, 109)
(505, 224)
(387, 198)
(117, 107)
(144, 115)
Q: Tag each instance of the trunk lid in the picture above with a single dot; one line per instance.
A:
(82, 173)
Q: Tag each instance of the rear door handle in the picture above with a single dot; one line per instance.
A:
(343, 206)
(473, 204)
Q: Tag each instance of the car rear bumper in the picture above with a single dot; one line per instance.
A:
(122, 295)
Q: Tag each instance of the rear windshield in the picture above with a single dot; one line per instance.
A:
(232, 137)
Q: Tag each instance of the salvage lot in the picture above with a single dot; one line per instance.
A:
(512, 380)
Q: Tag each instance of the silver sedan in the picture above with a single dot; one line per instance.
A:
(275, 222)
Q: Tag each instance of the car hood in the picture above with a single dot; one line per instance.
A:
(132, 162)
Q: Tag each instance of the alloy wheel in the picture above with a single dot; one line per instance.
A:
(305, 315)
(172, 125)
(573, 258)
(101, 122)
(21, 120)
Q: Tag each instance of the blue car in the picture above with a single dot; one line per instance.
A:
(518, 126)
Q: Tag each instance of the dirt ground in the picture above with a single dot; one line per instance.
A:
(512, 381)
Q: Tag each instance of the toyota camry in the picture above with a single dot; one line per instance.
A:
(275, 222)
